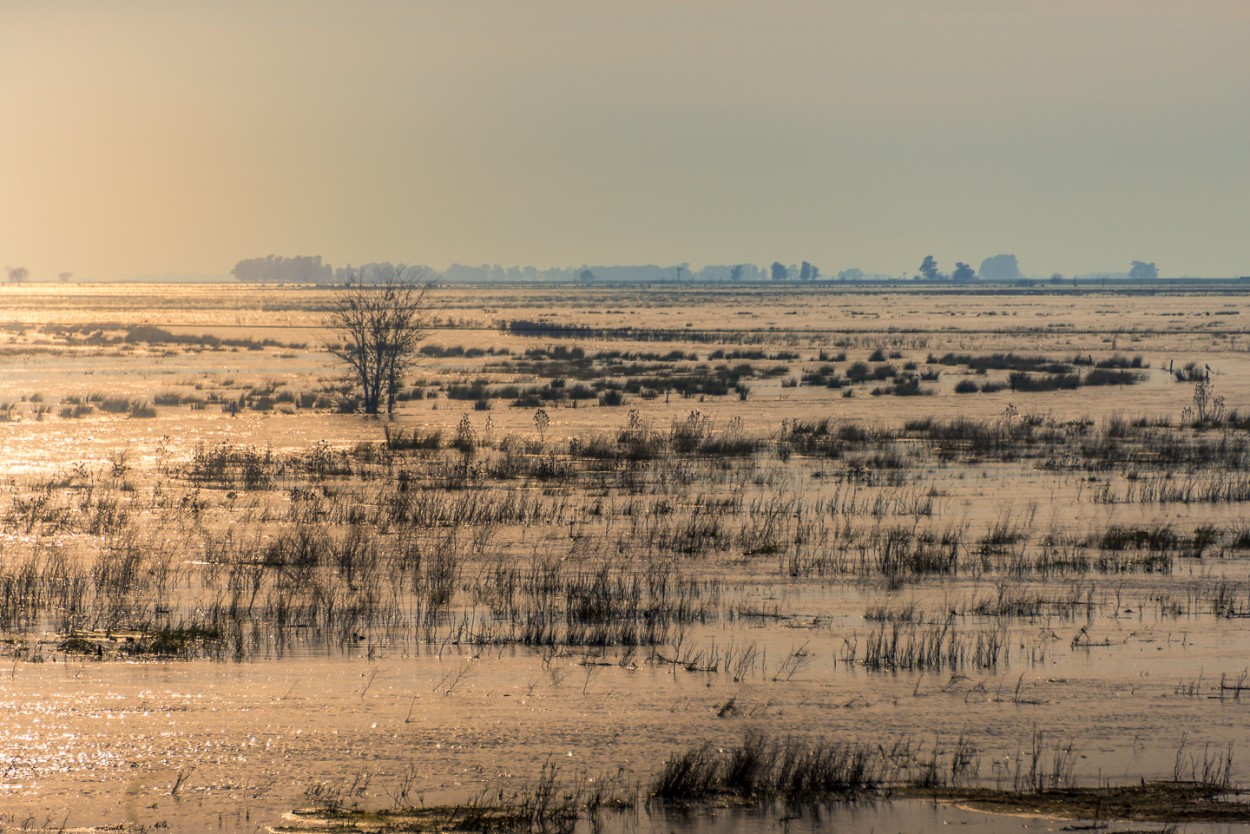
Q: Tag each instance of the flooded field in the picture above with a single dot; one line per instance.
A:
(627, 559)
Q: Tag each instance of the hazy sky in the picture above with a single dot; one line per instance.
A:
(166, 136)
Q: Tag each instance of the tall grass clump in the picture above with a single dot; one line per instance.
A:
(764, 770)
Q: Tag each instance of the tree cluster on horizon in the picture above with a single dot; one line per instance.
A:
(311, 269)
(995, 268)
(1005, 267)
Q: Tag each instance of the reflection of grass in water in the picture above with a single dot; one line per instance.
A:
(546, 805)
(762, 769)
(792, 777)
(184, 640)
(1162, 802)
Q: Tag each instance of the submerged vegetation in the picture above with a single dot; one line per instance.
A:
(799, 779)
(623, 539)
(739, 527)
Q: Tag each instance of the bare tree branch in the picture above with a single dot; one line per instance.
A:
(377, 328)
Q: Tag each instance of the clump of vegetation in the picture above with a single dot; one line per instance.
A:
(227, 465)
(1027, 382)
(184, 641)
(130, 407)
(75, 410)
(1110, 376)
(1002, 362)
(1208, 406)
(762, 770)
(1191, 372)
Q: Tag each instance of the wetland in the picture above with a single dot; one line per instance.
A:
(668, 558)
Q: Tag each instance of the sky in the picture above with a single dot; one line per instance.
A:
(178, 137)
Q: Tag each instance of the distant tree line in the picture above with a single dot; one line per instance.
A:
(275, 269)
(591, 273)
(311, 269)
(805, 272)
(1007, 268)
(18, 274)
(996, 268)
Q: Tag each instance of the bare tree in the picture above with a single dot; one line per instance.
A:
(377, 328)
(65, 277)
(18, 274)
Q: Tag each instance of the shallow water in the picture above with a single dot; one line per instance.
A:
(1130, 684)
(251, 738)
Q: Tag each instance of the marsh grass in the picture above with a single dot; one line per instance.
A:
(791, 778)
(605, 539)
(905, 646)
(762, 770)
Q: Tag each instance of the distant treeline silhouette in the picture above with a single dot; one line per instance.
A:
(644, 273)
(309, 269)
(277, 269)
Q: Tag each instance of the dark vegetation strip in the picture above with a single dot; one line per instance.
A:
(795, 779)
